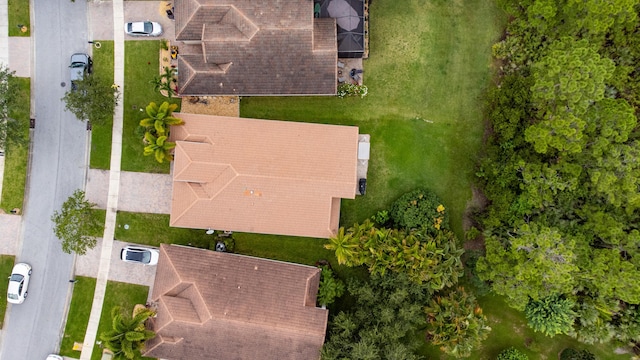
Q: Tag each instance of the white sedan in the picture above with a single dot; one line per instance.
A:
(140, 255)
(54, 357)
(143, 28)
(19, 283)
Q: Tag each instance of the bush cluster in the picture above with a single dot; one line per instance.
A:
(420, 209)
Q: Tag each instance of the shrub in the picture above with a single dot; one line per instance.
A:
(552, 315)
(330, 288)
(512, 354)
(352, 90)
(381, 218)
(420, 208)
(573, 354)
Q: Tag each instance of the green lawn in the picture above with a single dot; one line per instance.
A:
(6, 265)
(142, 63)
(101, 134)
(429, 65)
(78, 317)
(118, 294)
(19, 15)
(16, 155)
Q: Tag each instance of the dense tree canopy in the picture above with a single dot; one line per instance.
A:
(561, 168)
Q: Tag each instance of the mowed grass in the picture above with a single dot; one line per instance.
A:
(16, 155)
(142, 63)
(6, 265)
(118, 294)
(78, 317)
(101, 134)
(429, 65)
(19, 15)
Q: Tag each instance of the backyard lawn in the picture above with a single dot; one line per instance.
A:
(78, 317)
(101, 133)
(6, 265)
(142, 63)
(118, 294)
(429, 65)
(16, 155)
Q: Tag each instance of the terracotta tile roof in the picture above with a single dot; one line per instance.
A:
(262, 176)
(223, 306)
(248, 47)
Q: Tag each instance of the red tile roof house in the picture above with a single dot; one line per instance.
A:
(262, 176)
(220, 306)
(254, 47)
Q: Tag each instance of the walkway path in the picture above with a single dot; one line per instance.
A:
(114, 187)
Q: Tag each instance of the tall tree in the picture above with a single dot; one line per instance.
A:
(387, 313)
(456, 323)
(10, 129)
(75, 223)
(533, 263)
(93, 99)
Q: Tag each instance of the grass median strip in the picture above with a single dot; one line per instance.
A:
(101, 133)
(19, 20)
(6, 265)
(17, 153)
(78, 317)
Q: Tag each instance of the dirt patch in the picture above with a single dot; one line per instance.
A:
(477, 204)
(211, 105)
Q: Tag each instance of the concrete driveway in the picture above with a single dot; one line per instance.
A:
(139, 192)
(101, 14)
(86, 265)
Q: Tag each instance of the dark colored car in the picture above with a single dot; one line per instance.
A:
(362, 186)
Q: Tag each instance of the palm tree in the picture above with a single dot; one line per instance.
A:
(163, 82)
(128, 334)
(160, 118)
(345, 246)
(158, 146)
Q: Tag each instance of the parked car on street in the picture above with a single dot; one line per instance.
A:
(80, 65)
(143, 28)
(141, 255)
(54, 357)
(19, 283)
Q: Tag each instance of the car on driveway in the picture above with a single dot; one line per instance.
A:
(140, 255)
(143, 28)
(80, 65)
(19, 283)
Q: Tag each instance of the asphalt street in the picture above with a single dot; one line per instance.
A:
(34, 328)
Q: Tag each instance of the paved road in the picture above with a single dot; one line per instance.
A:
(34, 329)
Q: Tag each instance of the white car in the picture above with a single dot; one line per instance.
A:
(54, 357)
(19, 283)
(140, 255)
(143, 28)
